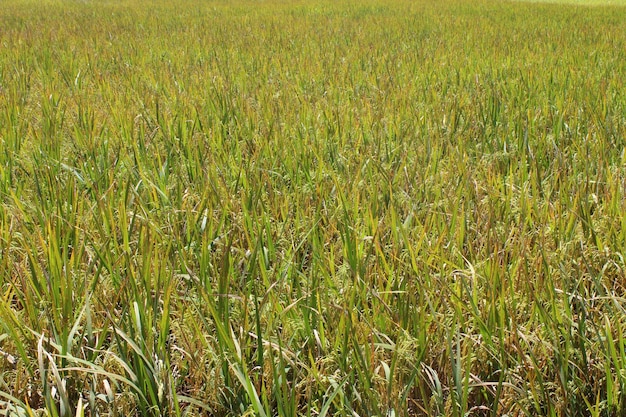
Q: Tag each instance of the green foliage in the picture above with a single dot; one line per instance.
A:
(379, 208)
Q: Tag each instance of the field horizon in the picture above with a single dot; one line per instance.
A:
(599, 3)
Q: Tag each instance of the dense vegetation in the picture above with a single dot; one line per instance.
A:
(379, 208)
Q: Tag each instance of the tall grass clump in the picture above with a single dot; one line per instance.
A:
(379, 208)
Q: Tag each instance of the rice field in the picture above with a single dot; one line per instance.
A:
(312, 208)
